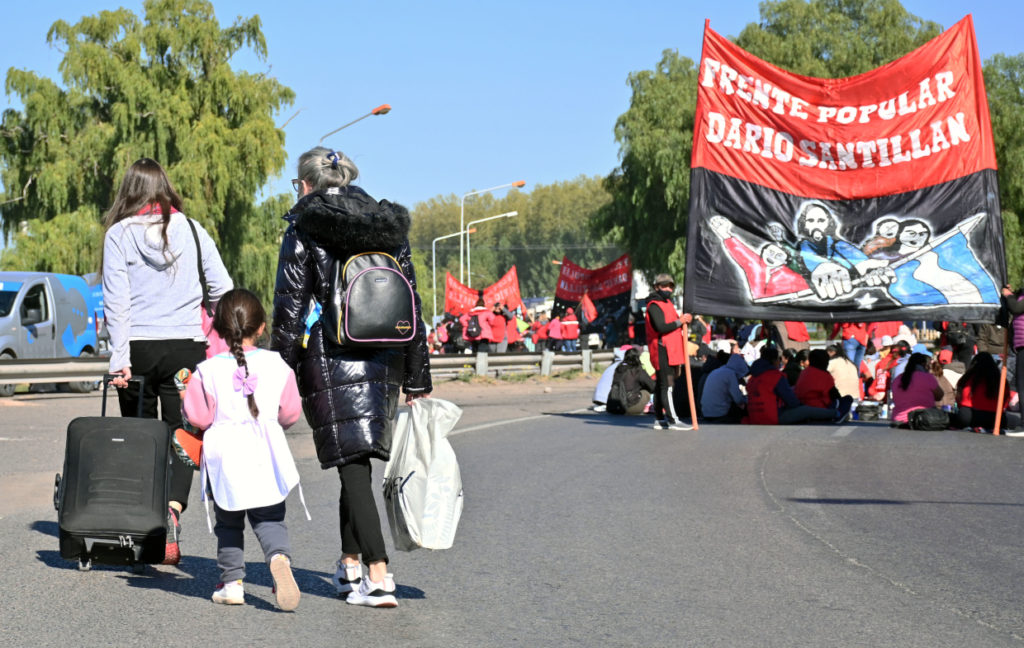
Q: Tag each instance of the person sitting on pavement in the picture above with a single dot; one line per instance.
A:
(796, 364)
(604, 383)
(844, 372)
(916, 388)
(771, 400)
(631, 387)
(816, 386)
(721, 400)
(976, 395)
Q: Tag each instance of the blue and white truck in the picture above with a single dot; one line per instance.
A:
(48, 315)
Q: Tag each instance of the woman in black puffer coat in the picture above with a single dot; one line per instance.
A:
(349, 395)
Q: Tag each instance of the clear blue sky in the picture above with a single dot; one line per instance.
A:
(482, 93)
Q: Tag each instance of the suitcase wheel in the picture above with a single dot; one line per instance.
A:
(56, 492)
(84, 564)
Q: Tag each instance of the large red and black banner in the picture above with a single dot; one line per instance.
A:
(867, 198)
(608, 288)
(459, 298)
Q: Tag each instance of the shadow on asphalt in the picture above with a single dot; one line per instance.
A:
(201, 575)
(857, 501)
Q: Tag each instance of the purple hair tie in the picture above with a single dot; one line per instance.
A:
(243, 383)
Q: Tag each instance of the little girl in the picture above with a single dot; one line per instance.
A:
(243, 399)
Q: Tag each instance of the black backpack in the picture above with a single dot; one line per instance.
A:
(617, 398)
(473, 329)
(930, 419)
(371, 303)
(455, 335)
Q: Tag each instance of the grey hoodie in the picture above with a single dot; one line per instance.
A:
(150, 293)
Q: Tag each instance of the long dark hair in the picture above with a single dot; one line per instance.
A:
(917, 362)
(983, 372)
(239, 315)
(144, 183)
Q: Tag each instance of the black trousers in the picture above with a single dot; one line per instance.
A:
(664, 378)
(966, 417)
(157, 361)
(357, 510)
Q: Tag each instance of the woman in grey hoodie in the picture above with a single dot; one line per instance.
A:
(151, 299)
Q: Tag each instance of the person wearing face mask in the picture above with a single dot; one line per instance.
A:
(667, 348)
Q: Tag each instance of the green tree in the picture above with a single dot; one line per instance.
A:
(834, 38)
(1004, 83)
(161, 87)
(650, 189)
(552, 221)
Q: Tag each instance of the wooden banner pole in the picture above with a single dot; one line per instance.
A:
(689, 377)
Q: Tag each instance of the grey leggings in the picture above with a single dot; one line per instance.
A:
(267, 523)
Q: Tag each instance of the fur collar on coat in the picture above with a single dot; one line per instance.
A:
(351, 220)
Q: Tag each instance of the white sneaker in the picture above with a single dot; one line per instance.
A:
(660, 425)
(229, 593)
(285, 587)
(373, 594)
(346, 578)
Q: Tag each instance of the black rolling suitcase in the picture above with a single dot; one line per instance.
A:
(112, 499)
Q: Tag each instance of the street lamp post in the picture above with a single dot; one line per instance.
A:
(469, 267)
(462, 215)
(433, 260)
(382, 109)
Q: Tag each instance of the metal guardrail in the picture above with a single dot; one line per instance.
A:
(441, 366)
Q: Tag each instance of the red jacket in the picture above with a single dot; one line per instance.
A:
(851, 330)
(814, 387)
(672, 341)
(570, 327)
(762, 403)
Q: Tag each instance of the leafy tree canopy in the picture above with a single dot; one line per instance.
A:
(552, 222)
(159, 87)
(649, 190)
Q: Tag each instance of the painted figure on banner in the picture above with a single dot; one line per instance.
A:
(835, 265)
(940, 271)
(768, 273)
(900, 262)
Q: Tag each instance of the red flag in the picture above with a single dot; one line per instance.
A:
(589, 310)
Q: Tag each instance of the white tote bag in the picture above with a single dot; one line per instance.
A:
(422, 483)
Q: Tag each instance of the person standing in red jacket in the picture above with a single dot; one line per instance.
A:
(855, 339)
(570, 331)
(480, 341)
(668, 350)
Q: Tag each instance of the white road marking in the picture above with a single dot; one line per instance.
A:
(844, 431)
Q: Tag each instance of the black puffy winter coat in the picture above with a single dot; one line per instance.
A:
(349, 395)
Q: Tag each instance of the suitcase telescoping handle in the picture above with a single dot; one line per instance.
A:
(106, 382)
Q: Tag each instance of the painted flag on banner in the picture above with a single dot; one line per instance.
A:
(459, 298)
(609, 287)
(867, 198)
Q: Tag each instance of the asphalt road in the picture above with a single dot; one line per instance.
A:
(579, 529)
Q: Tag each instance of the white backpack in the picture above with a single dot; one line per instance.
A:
(422, 483)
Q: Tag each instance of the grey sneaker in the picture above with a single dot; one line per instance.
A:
(372, 594)
(346, 578)
(660, 425)
(679, 425)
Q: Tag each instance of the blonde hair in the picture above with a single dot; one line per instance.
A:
(324, 168)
